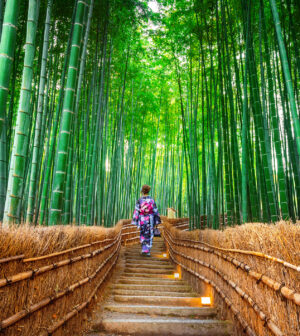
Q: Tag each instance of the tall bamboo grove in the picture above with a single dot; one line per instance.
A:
(198, 99)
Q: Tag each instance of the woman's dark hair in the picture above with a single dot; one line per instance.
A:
(145, 189)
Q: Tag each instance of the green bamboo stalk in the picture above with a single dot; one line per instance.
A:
(236, 162)
(287, 75)
(39, 117)
(262, 131)
(16, 180)
(8, 28)
(274, 123)
(244, 132)
(1, 16)
(7, 50)
(60, 172)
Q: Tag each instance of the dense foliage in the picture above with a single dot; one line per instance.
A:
(198, 98)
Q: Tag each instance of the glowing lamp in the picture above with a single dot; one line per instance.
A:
(165, 255)
(176, 275)
(205, 300)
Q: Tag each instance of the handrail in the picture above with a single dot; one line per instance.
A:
(55, 254)
(44, 302)
(253, 253)
(271, 325)
(286, 292)
(237, 314)
(13, 258)
(32, 273)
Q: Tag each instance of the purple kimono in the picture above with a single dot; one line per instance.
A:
(145, 217)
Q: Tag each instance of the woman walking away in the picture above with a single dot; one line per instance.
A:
(146, 217)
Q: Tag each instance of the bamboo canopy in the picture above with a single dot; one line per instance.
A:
(198, 99)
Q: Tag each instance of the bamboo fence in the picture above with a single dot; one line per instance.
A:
(40, 294)
(255, 288)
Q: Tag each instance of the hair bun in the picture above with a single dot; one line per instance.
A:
(145, 189)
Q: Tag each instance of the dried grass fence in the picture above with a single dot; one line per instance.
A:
(49, 275)
(253, 270)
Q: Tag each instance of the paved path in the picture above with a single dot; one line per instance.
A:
(145, 299)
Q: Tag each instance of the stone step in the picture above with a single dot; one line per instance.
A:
(172, 326)
(149, 261)
(151, 287)
(149, 281)
(154, 244)
(148, 275)
(146, 263)
(139, 254)
(196, 312)
(153, 248)
(149, 266)
(188, 301)
(149, 270)
(136, 292)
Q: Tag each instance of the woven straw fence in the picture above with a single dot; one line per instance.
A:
(50, 275)
(251, 270)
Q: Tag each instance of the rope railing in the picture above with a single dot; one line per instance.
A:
(238, 283)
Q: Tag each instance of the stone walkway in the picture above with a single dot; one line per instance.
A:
(146, 299)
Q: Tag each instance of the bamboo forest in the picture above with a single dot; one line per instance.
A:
(197, 98)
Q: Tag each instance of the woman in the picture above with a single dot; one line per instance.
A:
(146, 216)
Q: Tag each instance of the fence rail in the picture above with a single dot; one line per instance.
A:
(66, 279)
(261, 304)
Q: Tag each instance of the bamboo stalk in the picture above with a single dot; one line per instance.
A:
(129, 233)
(8, 259)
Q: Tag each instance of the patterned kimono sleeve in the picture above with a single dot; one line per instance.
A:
(157, 219)
(136, 214)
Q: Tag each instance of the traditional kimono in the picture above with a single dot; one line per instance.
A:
(145, 217)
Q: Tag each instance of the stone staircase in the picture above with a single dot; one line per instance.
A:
(146, 300)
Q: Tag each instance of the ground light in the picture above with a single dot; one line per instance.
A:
(205, 300)
(164, 255)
